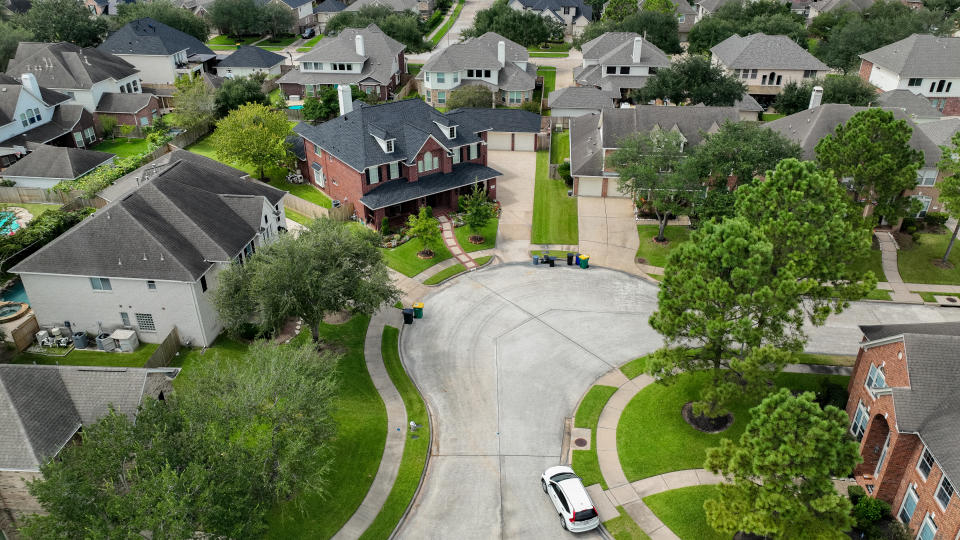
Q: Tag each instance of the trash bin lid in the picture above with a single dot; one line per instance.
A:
(418, 305)
(408, 310)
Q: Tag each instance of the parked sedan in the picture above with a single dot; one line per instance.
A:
(570, 498)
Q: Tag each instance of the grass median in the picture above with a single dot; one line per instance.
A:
(585, 462)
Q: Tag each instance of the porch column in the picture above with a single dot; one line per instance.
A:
(378, 216)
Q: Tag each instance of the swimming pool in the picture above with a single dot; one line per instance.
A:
(295, 107)
(16, 293)
(8, 223)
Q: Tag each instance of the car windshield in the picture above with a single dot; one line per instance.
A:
(562, 476)
(584, 515)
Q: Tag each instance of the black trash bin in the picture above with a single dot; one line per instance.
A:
(553, 261)
(408, 316)
(569, 259)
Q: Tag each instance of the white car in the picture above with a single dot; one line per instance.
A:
(570, 498)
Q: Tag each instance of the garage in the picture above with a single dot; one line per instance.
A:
(498, 141)
(506, 129)
(524, 141)
(590, 187)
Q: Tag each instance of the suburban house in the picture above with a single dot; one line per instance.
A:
(105, 7)
(326, 10)
(48, 165)
(197, 7)
(506, 129)
(686, 16)
(578, 101)
(302, 13)
(424, 8)
(708, 7)
(817, 7)
(159, 52)
(149, 260)
(766, 63)
(618, 62)
(915, 105)
(46, 407)
(574, 15)
(807, 127)
(140, 110)
(365, 57)
(247, 60)
(941, 132)
(594, 137)
(164, 92)
(904, 409)
(924, 64)
(491, 61)
(390, 159)
(31, 115)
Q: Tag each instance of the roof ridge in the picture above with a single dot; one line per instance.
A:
(19, 421)
(151, 235)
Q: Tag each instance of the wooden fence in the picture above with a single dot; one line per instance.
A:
(33, 195)
(166, 351)
(22, 335)
(184, 140)
(306, 208)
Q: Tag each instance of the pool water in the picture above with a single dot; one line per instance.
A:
(16, 293)
(295, 107)
(8, 310)
(8, 223)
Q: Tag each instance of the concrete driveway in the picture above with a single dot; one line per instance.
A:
(515, 193)
(464, 21)
(502, 357)
(608, 232)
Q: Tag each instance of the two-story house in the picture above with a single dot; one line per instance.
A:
(424, 8)
(326, 10)
(618, 62)
(766, 63)
(807, 127)
(31, 115)
(248, 60)
(365, 57)
(490, 60)
(150, 259)
(904, 409)
(574, 15)
(159, 52)
(594, 137)
(390, 159)
(924, 64)
(302, 13)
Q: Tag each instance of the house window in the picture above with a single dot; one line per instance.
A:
(452, 132)
(486, 73)
(908, 507)
(809, 73)
(914, 82)
(944, 492)
(100, 284)
(78, 139)
(456, 77)
(925, 465)
(473, 150)
(455, 157)
(248, 251)
(470, 73)
(514, 97)
(203, 283)
(566, 10)
(940, 85)
(926, 177)
(90, 135)
(883, 455)
(124, 318)
(136, 86)
(23, 120)
(394, 170)
(318, 174)
(933, 85)
(145, 322)
(426, 76)
(928, 530)
(875, 379)
(611, 70)
(681, 18)
(924, 204)
(428, 163)
(753, 74)
(389, 145)
(441, 97)
(859, 425)
(151, 285)
(373, 175)
(624, 70)
(144, 121)
(441, 77)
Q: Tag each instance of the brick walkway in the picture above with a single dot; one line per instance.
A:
(450, 240)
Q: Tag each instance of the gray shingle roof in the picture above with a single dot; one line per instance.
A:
(396, 192)
(149, 37)
(295, 3)
(65, 118)
(10, 89)
(579, 97)
(247, 56)
(475, 53)
(117, 102)
(508, 120)
(57, 163)
(131, 181)
(915, 105)
(66, 66)
(329, 6)
(761, 51)
(874, 332)
(941, 131)
(712, 6)
(848, 5)
(616, 48)
(172, 227)
(42, 407)
(807, 127)
(747, 104)
(410, 122)
(919, 56)
(380, 51)
(395, 5)
(583, 9)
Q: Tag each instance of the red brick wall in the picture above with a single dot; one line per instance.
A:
(865, 69)
(952, 107)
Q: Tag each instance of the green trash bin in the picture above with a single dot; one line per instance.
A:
(418, 310)
(584, 261)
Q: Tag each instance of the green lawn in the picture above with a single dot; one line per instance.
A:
(33, 208)
(549, 55)
(137, 358)
(272, 48)
(355, 452)
(558, 253)
(415, 449)
(554, 213)
(769, 117)
(446, 26)
(624, 527)
(873, 263)
(230, 40)
(878, 294)
(917, 263)
(824, 359)
(414, 69)
(559, 147)
(296, 216)
(122, 147)
(549, 75)
(681, 510)
(656, 410)
(446, 273)
(588, 414)
(404, 258)
(280, 41)
(635, 367)
(654, 253)
(309, 44)
(305, 191)
(656, 277)
(928, 296)
(489, 234)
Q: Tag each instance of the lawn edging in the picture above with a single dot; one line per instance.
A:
(481, 262)
(448, 24)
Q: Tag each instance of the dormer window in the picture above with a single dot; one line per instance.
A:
(389, 145)
(452, 132)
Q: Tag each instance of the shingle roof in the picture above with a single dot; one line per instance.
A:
(247, 56)
(915, 105)
(919, 56)
(149, 37)
(747, 104)
(396, 192)
(10, 89)
(479, 52)
(579, 97)
(616, 48)
(712, 6)
(509, 120)
(848, 5)
(129, 182)
(329, 6)
(874, 332)
(807, 127)
(172, 227)
(42, 407)
(295, 3)
(556, 6)
(395, 5)
(411, 122)
(380, 53)
(941, 132)
(66, 66)
(57, 163)
(296, 147)
(65, 118)
(765, 52)
(117, 102)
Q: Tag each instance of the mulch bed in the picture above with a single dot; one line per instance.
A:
(476, 239)
(704, 423)
(425, 254)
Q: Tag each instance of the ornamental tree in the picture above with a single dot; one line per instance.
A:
(660, 6)
(426, 229)
(659, 29)
(743, 150)
(693, 80)
(196, 102)
(477, 212)
(236, 92)
(780, 472)
(950, 187)
(873, 151)
(254, 135)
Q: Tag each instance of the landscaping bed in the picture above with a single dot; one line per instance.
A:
(681, 510)
(554, 213)
(404, 258)
(488, 232)
(654, 253)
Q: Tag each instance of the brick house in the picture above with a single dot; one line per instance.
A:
(140, 110)
(388, 160)
(923, 64)
(904, 409)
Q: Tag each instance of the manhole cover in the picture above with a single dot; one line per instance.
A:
(951, 299)
(580, 442)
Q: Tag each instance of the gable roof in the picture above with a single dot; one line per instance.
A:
(616, 48)
(941, 132)
(765, 52)
(118, 102)
(42, 407)
(395, 5)
(65, 118)
(915, 105)
(807, 127)
(66, 66)
(129, 182)
(556, 6)
(479, 52)
(294, 4)
(329, 6)
(410, 122)
(247, 56)
(710, 6)
(173, 227)
(579, 97)
(919, 56)
(149, 37)
(57, 162)
(508, 120)
(380, 52)
(10, 88)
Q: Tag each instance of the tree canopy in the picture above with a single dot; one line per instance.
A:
(523, 27)
(660, 6)
(252, 134)
(64, 20)
(424, 228)
(766, 16)
(196, 103)
(661, 29)
(950, 187)
(782, 469)
(477, 211)
(404, 27)
(326, 103)
(743, 150)
(693, 80)
(236, 92)
(10, 37)
(848, 89)
(470, 95)
(163, 11)
(250, 17)
(618, 10)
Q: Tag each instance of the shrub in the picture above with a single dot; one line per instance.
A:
(531, 106)
(385, 226)
(832, 394)
(869, 510)
(935, 219)
(855, 492)
(108, 124)
(564, 171)
(6, 182)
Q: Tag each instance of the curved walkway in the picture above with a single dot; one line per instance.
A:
(396, 427)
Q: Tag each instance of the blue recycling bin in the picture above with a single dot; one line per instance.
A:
(536, 260)
(578, 259)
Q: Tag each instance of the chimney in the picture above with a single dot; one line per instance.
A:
(816, 97)
(359, 42)
(637, 49)
(29, 82)
(343, 96)
(502, 53)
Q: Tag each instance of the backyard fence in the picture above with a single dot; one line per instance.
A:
(185, 139)
(409, 87)
(304, 207)
(166, 351)
(22, 335)
(33, 195)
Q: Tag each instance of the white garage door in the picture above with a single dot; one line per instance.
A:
(590, 187)
(498, 141)
(524, 141)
